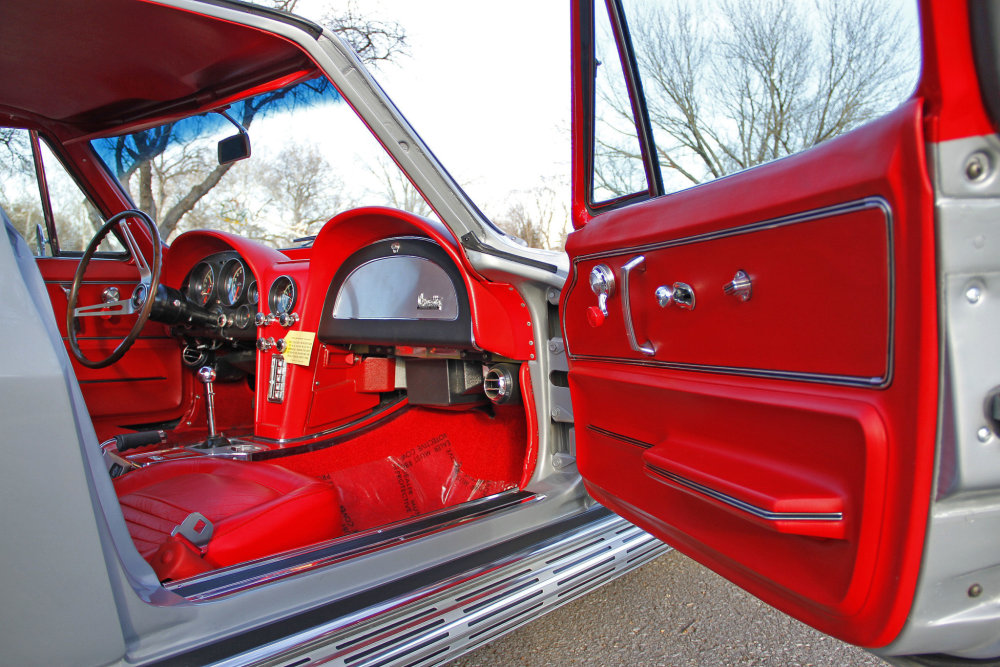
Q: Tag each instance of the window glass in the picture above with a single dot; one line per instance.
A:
(311, 158)
(730, 84)
(618, 167)
(76, 219)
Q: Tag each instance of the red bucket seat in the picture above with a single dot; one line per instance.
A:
(252, 510)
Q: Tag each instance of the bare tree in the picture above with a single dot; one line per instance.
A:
(752, 81)
(538, 216)
(395, 188)
(276, 200)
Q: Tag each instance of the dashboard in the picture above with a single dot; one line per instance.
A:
(380, 306)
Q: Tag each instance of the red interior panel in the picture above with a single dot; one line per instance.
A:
(814, 276)
(146, 385)
(787, 442)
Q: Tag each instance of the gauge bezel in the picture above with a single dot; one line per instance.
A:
(196, 280)
(242, 317)
(253, 292)
(229, 271)
(277, 287)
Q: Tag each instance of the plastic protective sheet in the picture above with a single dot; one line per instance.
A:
(421, 461)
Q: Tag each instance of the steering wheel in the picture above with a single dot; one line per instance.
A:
(140, 303)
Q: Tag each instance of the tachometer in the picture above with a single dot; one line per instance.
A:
(233, 278)
(201, 284)
(281, 297)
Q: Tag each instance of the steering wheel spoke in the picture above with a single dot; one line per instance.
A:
(149, 280)
(120, 307)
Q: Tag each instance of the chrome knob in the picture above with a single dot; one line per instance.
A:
(740, 286)
(260, 319)
(265, 344)
(602, 283)
(280, 345)
(206, 374)
(678, 294)
(288, 319)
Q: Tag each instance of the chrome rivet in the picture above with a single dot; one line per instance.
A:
(984, 434)
(975, 590)
(973, 294)
(977, 167)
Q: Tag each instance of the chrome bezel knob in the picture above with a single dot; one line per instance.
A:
(602, 280)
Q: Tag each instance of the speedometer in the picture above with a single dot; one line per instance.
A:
(201, 284)
(232, 279)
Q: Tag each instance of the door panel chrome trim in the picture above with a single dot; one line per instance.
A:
(618, 436)
(880, 382)
(656, 473)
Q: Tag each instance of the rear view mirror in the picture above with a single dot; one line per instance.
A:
(236, 147)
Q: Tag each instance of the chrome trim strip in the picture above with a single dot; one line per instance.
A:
(866, 203)
(845, 380)
(618, 436)
(445, 620)
(759, 512)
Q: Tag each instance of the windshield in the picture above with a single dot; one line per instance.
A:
(311, 158)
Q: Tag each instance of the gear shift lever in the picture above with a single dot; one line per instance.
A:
(207, 375)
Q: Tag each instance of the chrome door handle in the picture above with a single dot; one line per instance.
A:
(647, 347)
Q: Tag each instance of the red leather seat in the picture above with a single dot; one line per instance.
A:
(255, 510)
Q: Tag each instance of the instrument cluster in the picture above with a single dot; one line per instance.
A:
(223, 284)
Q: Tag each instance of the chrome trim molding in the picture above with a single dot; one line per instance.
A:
(796, 218)
(618, 436)
(443, 621)
(759, 512)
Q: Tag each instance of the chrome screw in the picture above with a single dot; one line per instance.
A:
(983, 434)
(977, 167)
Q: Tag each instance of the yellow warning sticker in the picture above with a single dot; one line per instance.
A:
(298, 347)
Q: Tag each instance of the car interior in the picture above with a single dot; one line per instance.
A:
(252, 401)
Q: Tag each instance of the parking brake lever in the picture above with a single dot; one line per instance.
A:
(207, 375)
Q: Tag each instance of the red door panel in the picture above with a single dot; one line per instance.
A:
(786, 441)
(821, 270)
(145, 386)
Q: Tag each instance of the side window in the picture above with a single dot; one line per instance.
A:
(618, 167)
(75, 218)
(730, 84)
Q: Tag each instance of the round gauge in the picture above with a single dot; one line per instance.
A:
(201, 284)
(252, 293)
(232, 279)
(242, 317)
(281, 298)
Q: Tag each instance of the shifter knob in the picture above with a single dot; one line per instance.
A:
(206, 374)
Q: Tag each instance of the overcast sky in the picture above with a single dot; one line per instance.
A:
(486, 85)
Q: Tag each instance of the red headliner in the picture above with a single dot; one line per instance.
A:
(96, 64)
